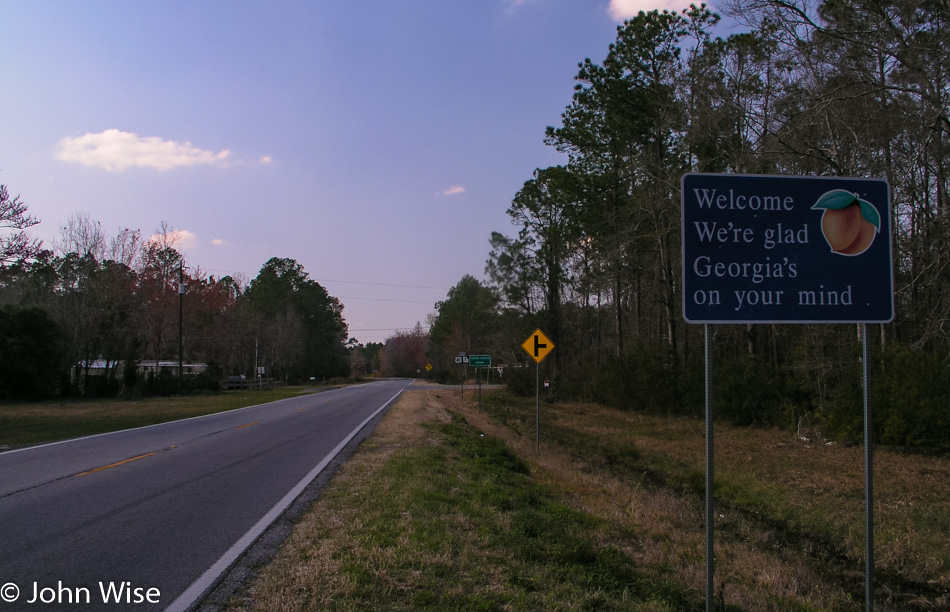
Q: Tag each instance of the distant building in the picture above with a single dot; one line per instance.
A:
(99, 367)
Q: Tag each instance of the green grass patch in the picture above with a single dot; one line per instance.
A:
(36, 422)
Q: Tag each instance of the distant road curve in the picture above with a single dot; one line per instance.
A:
(149, 518)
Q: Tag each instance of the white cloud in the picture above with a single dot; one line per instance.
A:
(115, 150)
(453, 190)
(180, 240)
(625, 9)
(267, 159)
(220, 243)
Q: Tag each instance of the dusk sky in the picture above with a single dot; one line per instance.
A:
(376, 142)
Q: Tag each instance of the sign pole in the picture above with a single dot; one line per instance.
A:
(868, 475)
(537, 405)
(537, 346)
(710, 510)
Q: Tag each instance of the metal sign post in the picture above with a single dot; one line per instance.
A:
(710, 499)
(868, 474)
(538, 346)
(787, 249)
(462, 359)
(479, 362)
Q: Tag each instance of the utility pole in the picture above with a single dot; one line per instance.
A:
(181, 296)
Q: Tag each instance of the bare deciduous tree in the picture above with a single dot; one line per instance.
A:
(82, 236)
(15, 243)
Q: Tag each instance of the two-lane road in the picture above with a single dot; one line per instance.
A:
(162, 509)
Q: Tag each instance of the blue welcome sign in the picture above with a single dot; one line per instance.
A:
(786, 249)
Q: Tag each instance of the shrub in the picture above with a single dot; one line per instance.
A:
(910, 391)
(646, 379)
(521, 381)
(910, 402)
(31, 354)
(749, 392)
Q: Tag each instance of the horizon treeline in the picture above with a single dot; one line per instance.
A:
(115, 300)
(826, 88)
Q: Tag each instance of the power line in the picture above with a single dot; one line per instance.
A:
(386, 329)
(343, 297)
(330, 280)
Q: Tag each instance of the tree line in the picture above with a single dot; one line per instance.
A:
(107, 303)
(855, 88)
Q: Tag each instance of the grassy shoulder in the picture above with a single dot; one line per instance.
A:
(432, 514)
(447, 506)
(27, 423)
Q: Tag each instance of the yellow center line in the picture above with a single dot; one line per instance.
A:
(131, 459)
(301, 409)
(116, 464)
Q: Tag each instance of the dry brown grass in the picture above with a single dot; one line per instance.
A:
(778, 482)
(669, 539)
(816, 478)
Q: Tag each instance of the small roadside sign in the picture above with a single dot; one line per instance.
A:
(538, 346)
(479, 361)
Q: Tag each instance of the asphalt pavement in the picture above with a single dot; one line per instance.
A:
(150, 518)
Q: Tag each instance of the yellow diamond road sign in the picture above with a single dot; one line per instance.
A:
(538, 345)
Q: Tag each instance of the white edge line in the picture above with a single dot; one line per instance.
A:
(207, 579)
(200, 416)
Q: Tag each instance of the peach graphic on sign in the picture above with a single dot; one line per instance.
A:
(848, 223)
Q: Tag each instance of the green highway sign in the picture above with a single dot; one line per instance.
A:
(479, 361)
